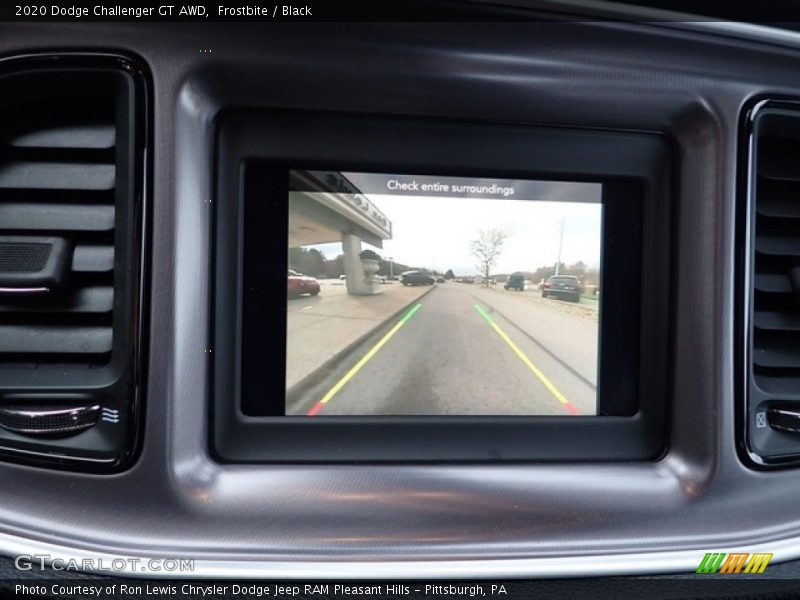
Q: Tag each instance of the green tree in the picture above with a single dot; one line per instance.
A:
(335, 267)
(307, 261)
(296, 258)
(315, 261)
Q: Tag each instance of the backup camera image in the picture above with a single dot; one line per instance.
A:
(425, 295)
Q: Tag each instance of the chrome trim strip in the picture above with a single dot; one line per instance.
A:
(747, 291)
(32, 290)
(645, 563)
(51, 456)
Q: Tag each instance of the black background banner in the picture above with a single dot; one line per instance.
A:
(264, 11)
(783, 13)
(112, 588)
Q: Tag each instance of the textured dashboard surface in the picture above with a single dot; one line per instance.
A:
(177, 501)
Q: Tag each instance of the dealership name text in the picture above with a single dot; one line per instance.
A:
(275, 590)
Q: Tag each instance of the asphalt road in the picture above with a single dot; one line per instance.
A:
(464, 350)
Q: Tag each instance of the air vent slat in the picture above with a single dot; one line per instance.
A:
(90, 300)
(778, 246)
(772, 284)
(93, 259)
(25, 196)
(776, 358)
(99, 136)
(776, 321)
(57, 176)
(779, 159)
(786, 207)
(53, 339)
(785, 387)
(64, 217)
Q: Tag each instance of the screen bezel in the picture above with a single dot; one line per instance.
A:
(256, 152)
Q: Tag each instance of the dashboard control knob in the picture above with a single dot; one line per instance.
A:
(48, 420)
(784, 419)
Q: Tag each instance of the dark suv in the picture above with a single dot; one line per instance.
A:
(563, 286)
(416, 278)
(515, 281)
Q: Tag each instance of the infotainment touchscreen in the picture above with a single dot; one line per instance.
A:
(455, 291)
(426, 295)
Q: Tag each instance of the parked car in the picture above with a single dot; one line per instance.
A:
(440, 279)
(563, 286)
(515, 281)
(299, 284)
(416, 278)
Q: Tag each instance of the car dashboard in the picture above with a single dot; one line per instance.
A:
(699, 470)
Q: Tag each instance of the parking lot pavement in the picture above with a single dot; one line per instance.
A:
(466, 350)
(320, 327)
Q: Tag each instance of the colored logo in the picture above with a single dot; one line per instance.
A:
(734, 562)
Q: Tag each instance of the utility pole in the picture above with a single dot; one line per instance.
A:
(391, 268)
(560, 245)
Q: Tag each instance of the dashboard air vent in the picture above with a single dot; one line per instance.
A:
(57, 179)
(72, 133)
(774, 313)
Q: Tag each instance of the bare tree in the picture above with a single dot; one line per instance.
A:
(487, 249)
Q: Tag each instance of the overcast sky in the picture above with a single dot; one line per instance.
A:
(436, 232)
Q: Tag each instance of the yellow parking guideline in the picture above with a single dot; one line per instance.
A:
(365, 359)
(547, 383)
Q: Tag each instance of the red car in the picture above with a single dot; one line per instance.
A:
(298, 284)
